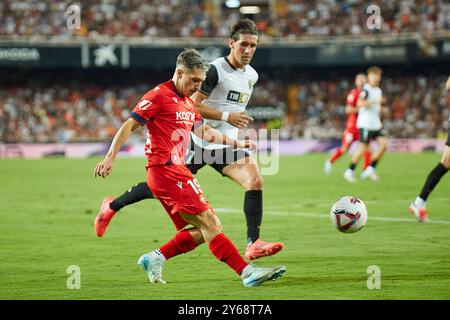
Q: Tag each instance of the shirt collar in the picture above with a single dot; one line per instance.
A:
(228, 61)
(174, 88)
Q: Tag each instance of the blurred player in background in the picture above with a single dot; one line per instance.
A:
(170, 116)
(222, 100)
(369, 126)
(417, 207)
(351, 133)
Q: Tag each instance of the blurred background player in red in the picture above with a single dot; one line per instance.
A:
(417, 207)
(351, 133)
(170, 116)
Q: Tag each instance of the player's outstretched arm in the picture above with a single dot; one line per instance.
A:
(214, 136)
(104, 168)
(237, 119)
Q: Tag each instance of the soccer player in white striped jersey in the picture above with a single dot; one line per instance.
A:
(369, 125)
(221, 101)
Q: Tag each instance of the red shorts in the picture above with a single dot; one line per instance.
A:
(178, 191)
(349, 136)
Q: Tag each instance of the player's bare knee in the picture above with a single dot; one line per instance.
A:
(446, 158)
(254, 183)
(212, 222)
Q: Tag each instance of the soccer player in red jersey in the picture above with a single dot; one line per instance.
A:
(221, 100)
(351, 133)
(170, 115)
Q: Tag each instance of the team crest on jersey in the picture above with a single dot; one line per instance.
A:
(175, 99)
(180, 185)
(144, 104)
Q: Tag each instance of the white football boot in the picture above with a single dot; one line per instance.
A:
(349, 175)
(328, 166)
(370, 173)
(253, 276)
(152, 263)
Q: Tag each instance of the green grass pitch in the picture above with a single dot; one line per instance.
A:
(48, 208)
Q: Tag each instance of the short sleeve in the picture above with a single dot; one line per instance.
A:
(350, 97)
(146, 108)
(364, 94)
(212, 78)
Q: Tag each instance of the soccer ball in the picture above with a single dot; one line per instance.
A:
(349, 214)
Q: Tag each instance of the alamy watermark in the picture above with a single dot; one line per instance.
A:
(73, 17)
(374, 279)
(74, 279)
(373, 22)
(266, 154)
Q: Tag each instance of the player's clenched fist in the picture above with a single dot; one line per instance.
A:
(104, 168)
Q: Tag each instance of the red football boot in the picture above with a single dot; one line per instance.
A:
(104, 216)
(259, 249)
(419, 213)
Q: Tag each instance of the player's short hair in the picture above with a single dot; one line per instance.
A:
(374, 69)
(243, 26)
(191, 59)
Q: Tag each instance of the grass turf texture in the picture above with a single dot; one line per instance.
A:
(48, 208)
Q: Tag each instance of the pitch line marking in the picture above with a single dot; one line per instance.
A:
(326, 216)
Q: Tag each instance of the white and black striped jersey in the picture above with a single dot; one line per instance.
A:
(369, 117)
(228, 89)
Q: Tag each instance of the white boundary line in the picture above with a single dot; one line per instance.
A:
(326, 216)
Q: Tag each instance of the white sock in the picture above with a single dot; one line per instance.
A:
(419, 202)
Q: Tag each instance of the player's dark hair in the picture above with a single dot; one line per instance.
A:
(191, 59)
(374, 69)
(243, 26)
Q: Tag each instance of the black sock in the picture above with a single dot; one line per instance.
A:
(253, 205)
(432, 180)
(374, 163)
(352, 166)
(136, 193)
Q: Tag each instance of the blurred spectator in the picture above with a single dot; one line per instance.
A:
(83, 110)
(200, 18)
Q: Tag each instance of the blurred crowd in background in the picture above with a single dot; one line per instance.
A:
(177, 18)
(83, 110)
(86, 108)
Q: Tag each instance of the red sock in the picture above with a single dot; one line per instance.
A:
(224, 250)
(336, 154)
(181, 243)
(367, 159)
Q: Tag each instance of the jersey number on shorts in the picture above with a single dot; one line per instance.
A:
(195, 185)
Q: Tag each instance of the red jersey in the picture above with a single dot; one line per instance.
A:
(352, 99)
(169, 118)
